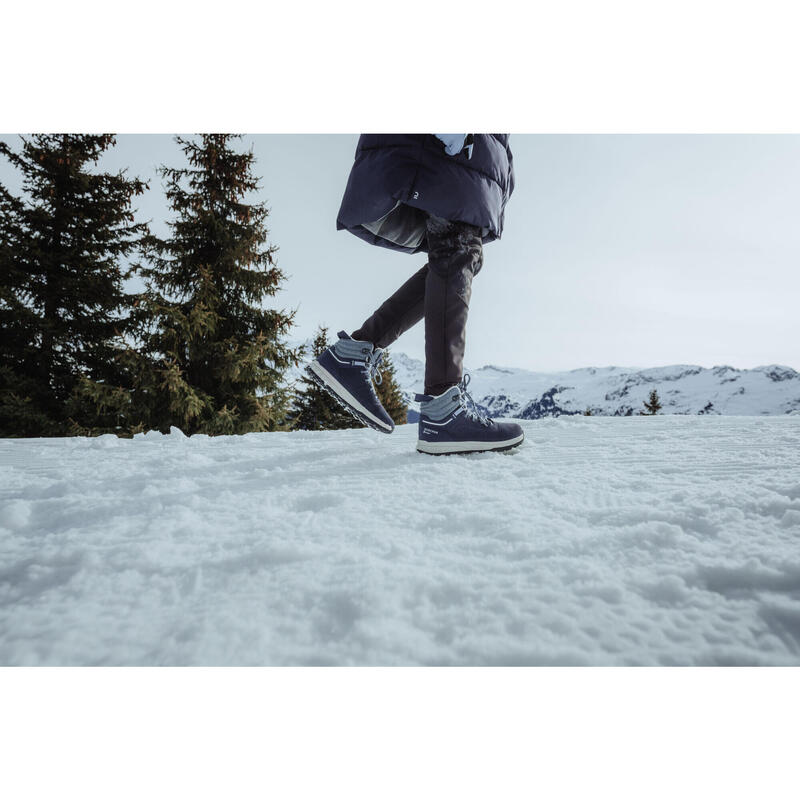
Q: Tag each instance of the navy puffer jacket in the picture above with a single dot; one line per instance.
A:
(399, 178)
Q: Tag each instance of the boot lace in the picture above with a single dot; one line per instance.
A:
(373, 366)
(469, 405)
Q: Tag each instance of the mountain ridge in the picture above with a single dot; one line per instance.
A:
(765, 390)
(769, 389)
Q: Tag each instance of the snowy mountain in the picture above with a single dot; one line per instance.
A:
(618, 391)
(615, 391)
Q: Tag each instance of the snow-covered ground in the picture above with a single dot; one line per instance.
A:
(639, 540)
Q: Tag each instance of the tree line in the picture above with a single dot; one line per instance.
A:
(196, 348)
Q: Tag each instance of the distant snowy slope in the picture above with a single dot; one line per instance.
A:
(640, 540)
(616, 391)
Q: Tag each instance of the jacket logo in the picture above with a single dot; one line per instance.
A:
(415, 196)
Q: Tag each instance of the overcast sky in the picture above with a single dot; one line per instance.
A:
(626, 250)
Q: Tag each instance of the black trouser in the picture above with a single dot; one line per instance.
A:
(439, 292)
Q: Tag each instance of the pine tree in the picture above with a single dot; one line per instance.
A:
(219, 357)
(653, 405)
(62, 302)
(313, 409)
(389, 392)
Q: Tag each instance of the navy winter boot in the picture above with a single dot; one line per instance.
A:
(346, 371)
(451, 423)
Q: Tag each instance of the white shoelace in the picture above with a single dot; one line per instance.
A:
(373, 363)
(469, 405)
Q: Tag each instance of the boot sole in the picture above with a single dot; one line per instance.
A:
(464, 448)
(326, 381)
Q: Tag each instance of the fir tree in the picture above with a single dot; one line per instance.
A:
(389, 392)
(313, 409)
(219, 357)
(653, 405)
(61, 284)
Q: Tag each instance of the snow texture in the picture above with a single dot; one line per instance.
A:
(639, 540)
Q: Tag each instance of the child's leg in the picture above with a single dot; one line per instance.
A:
(401, 311)
(440, 292)
(455, 256)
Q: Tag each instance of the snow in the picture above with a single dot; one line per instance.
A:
(602, 540)
(683, 389)
(609, 391)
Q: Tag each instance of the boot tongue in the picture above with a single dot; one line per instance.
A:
(352, 348)
(441, 405)
(449, 397)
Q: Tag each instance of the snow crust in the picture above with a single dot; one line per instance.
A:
(639, 540)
